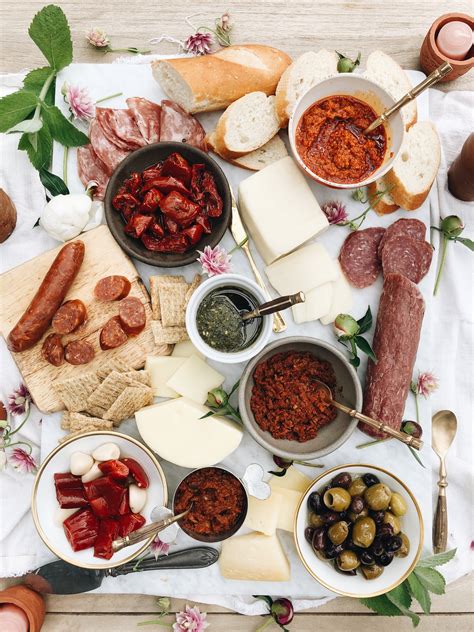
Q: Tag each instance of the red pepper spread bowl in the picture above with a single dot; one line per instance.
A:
(165, 202)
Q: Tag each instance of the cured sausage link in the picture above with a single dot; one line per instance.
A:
(51, 293)
(396, 338)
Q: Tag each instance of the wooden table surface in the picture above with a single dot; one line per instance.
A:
(397, 28)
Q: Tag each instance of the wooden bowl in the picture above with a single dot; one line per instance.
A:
(142, 159)
(430, 55)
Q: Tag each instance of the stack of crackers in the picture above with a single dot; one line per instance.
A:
(102, 399)
(170, 296)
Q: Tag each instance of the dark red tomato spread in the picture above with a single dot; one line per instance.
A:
(331, 143)
(218, 499)
(284, 399)
(169, 206)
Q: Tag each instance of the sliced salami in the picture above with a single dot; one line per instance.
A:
(69, 317)
(90, 167)
(108, 153)
(403, 255)
(147, 116)
(79, 352)
(179, 126)
(413, 228)
(112, 335)
(132, 315)
(120, 128)
(426, 250)
(112, 288)
(358, 257)
(53, 350)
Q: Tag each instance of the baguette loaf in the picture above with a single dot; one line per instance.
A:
(272, 151)
(385, 203)
(212, 82)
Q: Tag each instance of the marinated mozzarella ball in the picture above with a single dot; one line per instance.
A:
(80, 463)
(106, 452)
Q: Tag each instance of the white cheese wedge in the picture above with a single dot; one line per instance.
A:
(161, 368)
(293, 479)
(254, 557)
(194, 379)
(185, 349)
(279, 209)
(174, 430)
(263, 515)
(302, 270)
(317, 304)
(289, 504)
(341, 302)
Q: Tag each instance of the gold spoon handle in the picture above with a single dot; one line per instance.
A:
(379, 425)
(440, 525)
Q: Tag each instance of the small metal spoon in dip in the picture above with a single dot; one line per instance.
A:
(443, 431)
(277, 305)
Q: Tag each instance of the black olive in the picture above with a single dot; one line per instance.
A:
(308, 534)
(394, 543)
(385, 529)
(330, 517)
(377, 516)
(344, 480)
(386, 558)
(377, 548)
(366, 558)
(370, 479)
(357, 504)
(333, 551)
(319, 539)
(315, 503)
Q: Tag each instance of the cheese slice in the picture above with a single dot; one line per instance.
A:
(341, 302)
(293, 479)
(185, 349)
(254, 557)
(263, 515)
(161, 368)
(302, 270)
(174, 430)
(279, 209)
(194, 379)
(317, 304)
(290, 501)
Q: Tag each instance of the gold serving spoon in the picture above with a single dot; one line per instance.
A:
(373, 423)
(443, 431)
(430, 80)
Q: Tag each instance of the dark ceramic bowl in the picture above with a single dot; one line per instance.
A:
(142, 159)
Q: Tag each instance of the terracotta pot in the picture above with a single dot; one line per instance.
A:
(430, 55)
(29, 601)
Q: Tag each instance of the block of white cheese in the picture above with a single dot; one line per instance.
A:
(341, 302)
(185, 349)
(289, 504)
(194, 379)
(317, 303)
(279, 209)
(254, 557)
(174, 430)
(302, 270)
(161, 368)
(293, 479)
(263, 515)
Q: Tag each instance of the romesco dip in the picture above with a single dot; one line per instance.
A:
(331, 143)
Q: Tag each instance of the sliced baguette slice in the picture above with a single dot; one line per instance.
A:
(385, 203)
(385, 71)
(416, 166)
(304, 73)
(246, 125)
(272, 151)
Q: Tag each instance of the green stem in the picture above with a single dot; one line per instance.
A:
(166, 625)
(353, 347)
(132, 49)
(30, 449)
(307, 464)
(265, 625)
(369, 443)
(111, 96)
(444, 249)
(22, 423)
(417, 408)
(65, 157)
(43, 93)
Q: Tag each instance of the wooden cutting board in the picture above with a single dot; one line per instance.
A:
(103, 257)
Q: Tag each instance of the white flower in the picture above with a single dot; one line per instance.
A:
(66, 216)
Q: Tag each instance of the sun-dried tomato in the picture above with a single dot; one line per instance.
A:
(138, 225)
(166, 184)
(205, 222)
(151, 201)
(124, 201)
(180, 209)
(178, 167)
(170, 243)
(134, 183)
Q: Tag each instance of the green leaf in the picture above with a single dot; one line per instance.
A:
(419, 592)
(15, 107)
(437, 560)
(382, 605)
(466, 242)
(34, 81)
(431, 579)
(29, 126)
(365, 347)
(401, 598)
(61, 129)
(50, 31)
(53, 183)
(355, 362)
(365, 323)
(39, 147)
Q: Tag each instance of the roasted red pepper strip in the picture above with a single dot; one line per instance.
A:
(115, 469)
(166, 184)
(178, 167)
(124, 201)
(81, 529)
(125, 504)
(109, 489)
(170, 243)
(108, 532)
(151, 201)
(137, 472)
(100, 507)
(180, 209)
(137, 225)
(130, 522)
(194, 233)
(66, 480)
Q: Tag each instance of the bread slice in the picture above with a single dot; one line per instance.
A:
(385, 71)
(416, 166)
(385, 203)
(304, 73)
(212, 82)
(246, 125)
(272, 151)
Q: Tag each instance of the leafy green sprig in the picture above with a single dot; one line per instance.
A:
(372, 200)
(349, 333)
(218, 400)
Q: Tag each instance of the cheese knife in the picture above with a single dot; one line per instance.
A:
(61, 578)
(242, 240)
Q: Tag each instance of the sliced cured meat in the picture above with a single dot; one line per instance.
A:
(108, 153)
(147, 116)
(413, 228)
(112, 335)
(79, 352)
(69, 317)
(358, 257)
(396, 338)
(90, 167)
(53, 350)
(179, 126)
(120, 128)
(426, 250)
(112, 288)
(132, 316)
(406, 256)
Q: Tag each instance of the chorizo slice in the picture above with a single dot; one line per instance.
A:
(112, 288)
(358, 257)
(112, 335)
(79, 352)
(132, 315)
(53, 350)
(69, 317)
(413, 228)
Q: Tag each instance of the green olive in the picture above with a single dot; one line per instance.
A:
(378, 497)
(347, 561)
(392, 520)
(338, 532)
(315, 520)
(357, 487)
(405, 548)
(398, 505)
(372, 572)
(363, 532)
(337, 499)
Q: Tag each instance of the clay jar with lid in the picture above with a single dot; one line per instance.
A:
(430, 55)
(27, 600)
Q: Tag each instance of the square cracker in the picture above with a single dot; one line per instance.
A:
(168, 335)
(114, 364)
(74, 391)
(195, 283)
(105, 395)
(155, 282)
(130, 400)
(86, 423)
(93, 426)
(172, 297)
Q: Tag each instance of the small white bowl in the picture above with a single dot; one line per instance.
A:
(365, 90)
(356, 585)
(203, 290)
(44, 503)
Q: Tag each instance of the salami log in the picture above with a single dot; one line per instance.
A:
(79, 352)
(90, 167)
(112, 335)
(358, 257)
(132, 316)
(53, 350)
(47, 300)
(413, 228)
(69, 317)
(108, 153)
(147, 116)
(179, 126)
(112, 288)
(120, 128)
(396, 338)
